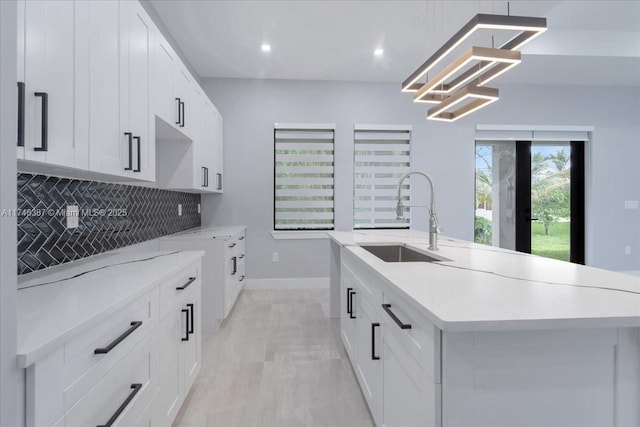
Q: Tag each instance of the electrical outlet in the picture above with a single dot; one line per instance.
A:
(199, 208)
(73, 216)
(274, 257)
(179, 209)
(631, 204)
(627, 250)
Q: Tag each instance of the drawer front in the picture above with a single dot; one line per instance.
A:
(366, 279)
(422, 341)
(171, 296)
(88, 357)
(115, 394)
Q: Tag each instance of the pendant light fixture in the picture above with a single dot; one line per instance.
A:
(465, 77)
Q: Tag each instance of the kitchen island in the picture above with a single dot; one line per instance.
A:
(483, 336)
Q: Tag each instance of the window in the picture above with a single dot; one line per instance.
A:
(382, 154)
(303, 187)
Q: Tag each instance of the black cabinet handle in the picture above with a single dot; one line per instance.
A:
(137, 138)
(373, 341)
(179, 113)
(234, 261)
(186, 322)
(351, 315)
(183, 287)
(387, 308)
(349, 300)
(241, 238)
(104, 350)
(191, 309)
(20, 114)
(219, 177)
(182, 108)
(45, 121)
(205, 176)
(136, 388)
(130, 135)
(241, 256)
(241, 278)
(233, 245)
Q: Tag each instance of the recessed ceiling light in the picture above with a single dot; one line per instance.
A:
(265, 47)
(378, 52)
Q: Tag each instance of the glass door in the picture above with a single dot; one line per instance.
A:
(530, 197)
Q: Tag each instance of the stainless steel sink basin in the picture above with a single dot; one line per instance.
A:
(400, 253)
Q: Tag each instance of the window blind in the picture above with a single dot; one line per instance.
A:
(304, 169)
(382, 154)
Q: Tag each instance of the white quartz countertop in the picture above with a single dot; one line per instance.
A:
(53, 308)
(488, 288)
(200, 233)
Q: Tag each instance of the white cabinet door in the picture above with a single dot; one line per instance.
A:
(191, 347)
(200, 172)
(167, 401)
(369, 360)
(182, 84)
(135, 90)
(409, 398)
(165, 104)
(49, 77)
(108, 152)
(348, 312)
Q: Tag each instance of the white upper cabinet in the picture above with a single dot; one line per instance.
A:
(217, 149)
(48, 69)
(135, 90)
(164, 103)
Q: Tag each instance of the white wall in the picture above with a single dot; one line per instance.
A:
(10, 379)
(446, 151)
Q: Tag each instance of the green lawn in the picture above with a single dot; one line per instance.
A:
(555, 245)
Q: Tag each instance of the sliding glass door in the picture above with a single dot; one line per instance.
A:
(530, 197)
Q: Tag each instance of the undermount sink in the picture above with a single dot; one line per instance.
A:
(401, 253)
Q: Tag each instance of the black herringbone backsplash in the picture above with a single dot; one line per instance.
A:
(111, 216)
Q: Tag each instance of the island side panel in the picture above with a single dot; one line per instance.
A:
(555, 378)
(334, 280)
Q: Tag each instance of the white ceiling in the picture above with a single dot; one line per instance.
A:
(588, 42)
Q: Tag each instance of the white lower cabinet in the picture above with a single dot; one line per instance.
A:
(134, 368)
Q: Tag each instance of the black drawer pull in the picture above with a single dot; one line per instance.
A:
(349, 300)
(179, 114)
(191, 309)
(186, 322)
(233, 245)
(241, 256)
(104, 350)
(241, 238)
(130, 136)
(45, 121)
(205, 176)
(373, 341)
(234, 262)
(20, 114)
(136, 388)
(241, 278)
(137, 138)
(351, 315)
(219, 176)
(387, 308)
(183, 287)
(182, 108)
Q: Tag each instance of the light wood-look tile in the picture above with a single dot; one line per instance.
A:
(276, 361)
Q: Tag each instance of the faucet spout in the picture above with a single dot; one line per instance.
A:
(434, 225)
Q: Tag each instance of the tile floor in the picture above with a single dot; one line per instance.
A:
(276, 361)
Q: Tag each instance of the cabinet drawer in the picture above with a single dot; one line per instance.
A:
(88, 357)
(422, 341)
(365, 278)
(125, 391)
(171, 296)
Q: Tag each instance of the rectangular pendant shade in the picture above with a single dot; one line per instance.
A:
(479, 96)
(530, 28)
(487, 58)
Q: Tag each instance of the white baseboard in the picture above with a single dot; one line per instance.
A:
(632, 272)
(289, 283)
